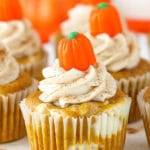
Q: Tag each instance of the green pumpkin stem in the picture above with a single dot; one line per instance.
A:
(72, 35)
(102, 5)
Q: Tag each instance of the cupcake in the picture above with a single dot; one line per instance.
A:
(24, 44)
(14, 86)
(78, 105)
(78, 20)
(144, 105)
(78, 17)
(120, 53)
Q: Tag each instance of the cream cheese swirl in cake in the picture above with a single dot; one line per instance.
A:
(9, 68)
(78, 20)
(117, 53)
(72, 87)
(19, 37)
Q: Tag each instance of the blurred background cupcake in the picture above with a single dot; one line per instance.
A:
(77, 20)
(14, 86)
(78, 105)
(137, 15)
(118, 49)
(144, 105)
(21, 40)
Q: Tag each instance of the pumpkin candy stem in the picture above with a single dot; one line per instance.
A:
(72, 35)
(76, 51)
(105, 19)
(102, 5)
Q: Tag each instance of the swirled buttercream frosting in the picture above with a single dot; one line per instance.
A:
(74, 86)
(9, 68)
(117, 53)
(77, 20)
(19, 37)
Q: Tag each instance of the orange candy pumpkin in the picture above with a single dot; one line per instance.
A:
(105, 19)
(76, 51)
(10, 10)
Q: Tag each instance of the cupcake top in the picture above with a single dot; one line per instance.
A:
(19, 37)
(113, 44)
(9, 68)
(77, 19)
(76, 78)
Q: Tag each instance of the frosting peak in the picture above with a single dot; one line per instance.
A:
(72, 87)
(117, 53)
(19, 37)
(78, 19)
(9, 68)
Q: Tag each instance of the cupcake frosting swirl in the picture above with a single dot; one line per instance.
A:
(78, 20)
(120, 52)
(19, 38)
(9, 68)
(72, 87)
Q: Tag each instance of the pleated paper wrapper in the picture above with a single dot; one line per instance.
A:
(132, 87)
(145, 111)
(105, 131)
(11, 121)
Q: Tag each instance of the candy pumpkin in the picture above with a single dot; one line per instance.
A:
(93, 2)
(76, 51)
(105, 19)
(10, 10)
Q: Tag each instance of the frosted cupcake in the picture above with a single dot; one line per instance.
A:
(144, 105)
(14, 86)
(78, 17)
(119, 51)
(78, 105)
(24, 44)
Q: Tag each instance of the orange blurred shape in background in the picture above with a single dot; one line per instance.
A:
(46, 15)
(10, 10)
(139, 25)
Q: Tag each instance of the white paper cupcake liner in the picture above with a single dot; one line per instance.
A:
(11, 120)
(145, 112)
(105, 131)
(34, 68)
(131, 87)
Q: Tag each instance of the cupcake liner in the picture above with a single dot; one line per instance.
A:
(11, 121)
(131, 87)
(145, 112)
(34, 68)
(105, 131)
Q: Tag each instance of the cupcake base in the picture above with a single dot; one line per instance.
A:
(131, 82)
(11, 121)
(145, 111)
(105, 130)
(131, 87)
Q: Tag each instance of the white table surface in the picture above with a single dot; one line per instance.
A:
(135, 139)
